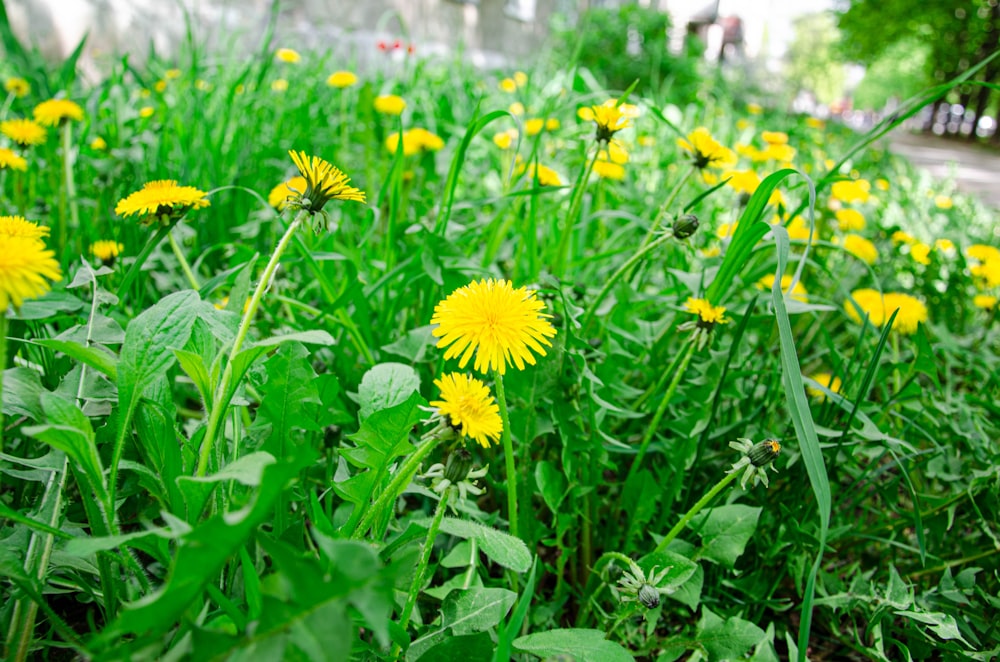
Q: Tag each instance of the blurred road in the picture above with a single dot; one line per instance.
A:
(976, 169)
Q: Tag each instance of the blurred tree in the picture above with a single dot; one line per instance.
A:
(814, 63)
(898, 73)
(956, 33)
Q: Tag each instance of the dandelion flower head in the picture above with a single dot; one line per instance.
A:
(287, 55)
(18, 226)
(494, 322)
(880, 307)
(705, 151)
(389, 104)
(106, 250)
(162, 201)
(280, 194)
(415, 141)
(468, 405)
(26, 267)
(859, 247)
(341, 79)
(24, 132)
(610, 118)
(546, 176)
(705, 311)
(56, 111)
(798, 292)
(324, 182)
(826, 380)
(850, 220)
(19, 87)
(9, 159)
(851, 190)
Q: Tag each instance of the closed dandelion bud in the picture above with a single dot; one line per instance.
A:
(685, 226)
(764, 452)
(649, 596)
(458, 466)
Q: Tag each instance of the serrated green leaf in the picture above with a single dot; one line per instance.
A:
(465, 612)
(289, 402)
(386, 385)
(581, 645)
(728, 639)
(502, 548)
(725, 531)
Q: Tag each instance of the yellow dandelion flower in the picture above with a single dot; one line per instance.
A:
(160, 86)
(534, 126)
(826, 380)
(946, 246)
(24, 132)
(983, 252)
(161, 201)
(146, 112)
(815, 123)
(859, 247)
(984, 301)
(279, 85)
(280, 194)
(468, 405)
(608, 169)
(921, 253)
(26, 267)
(988, 273)
(617, 153)
(505, 139)
(516, 108)
(711, 251)
(943, 202)
(726, 230)
(18, 226)
(851, 190)
(779, 152)
(706, 312)
(610, 118)
(546, 176)
(743, 124)
(508, 85)
(493, 321)
(99, 144)
(415, 141)
(324, 182)
(882, 184)
(17, 86)
(850, 220)
(11, 160)
(798, 229)
(742, 181)
(774, 137)
(56, 111)
(755, 108)
(798, 292)
(705, 151)
(900, 237)
(341, 79)
(552, 124)
(287, 55)
(880, 307)
(106, 250)
(389, 104)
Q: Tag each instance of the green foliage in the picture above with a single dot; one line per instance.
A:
(813, 61)
(897, 74)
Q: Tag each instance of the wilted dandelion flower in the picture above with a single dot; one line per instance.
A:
(26, 267)
(828, 381)
(798, 292)
(493, 321)
(19, 87)
(704, 151)
(10, 160)
(280, 194)
(287, 55)
(24, 132)
(389, 104)
(161, 201)
(850, 220)
(18, 226)
(56, 111)
(636, 586)
(755, 461)
(859, 247)
(880, 307)
(466, 403)
(106, 250)
(341, 79)
(324, 182)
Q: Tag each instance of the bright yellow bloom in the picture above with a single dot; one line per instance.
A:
(983, 252)
(616, 153)
(161, 201)
(504, 139)
(341, 79)
(706, 312)
(552, 124)
(280, 194)
(534, 126)
(279, 85)
(146, 112)
(815, 123)
(705, 151)
(26, 267)
(610, 118)
(943, 202)
(742, 181)
(160, 86)
(798, 292)
(389, 104)
(17, 86)
(859, 247)
(98, 144)
(921, 253)
(880, 307)
(18, 226)
(608, 169)
(850, 220)
(944, 246)
(900, 237)
(287, 55)
(106, 250)
(851, 190)
(508, 85)
(494, 322)
(546, 176)
(824, 379)
(798, 229)
(774, 137)
(882, 184)
(324, 182)
(414, 141)
(56, 111)
(777, 152)
(23, 131)
(468, 405)
(988, 273)
(984, 301)
(13, 161)
(516, 108)
(755, 108)
(726, 230)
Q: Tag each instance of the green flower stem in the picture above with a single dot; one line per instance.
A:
(3, 366)
(70, 184)
(400, 480)
(425, 556)
(220, 402)
(185, 267)
(695, 509)
(565, 239)
(679, 367)
(140, 259)
(665, 207)
(615, 277)
(508, 455)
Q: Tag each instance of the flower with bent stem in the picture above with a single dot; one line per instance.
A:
(324, 182)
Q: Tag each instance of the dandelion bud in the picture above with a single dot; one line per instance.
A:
(685, 226)
(458, 466)
(649, 596)
(764, 452)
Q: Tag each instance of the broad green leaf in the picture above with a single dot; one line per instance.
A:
(581, 645)
(89, 546)
(681, 568)
(386, 385)
(502, 548)
(467, 647)
(246, 357)
(52, 304)
(413, 346)
(941, 624)
(551, 484)
(248, 470)
(289, 400)
(465, 612)
(22, 392)
(96, 357)
(727, 639)
(194, 367)
(725, 531)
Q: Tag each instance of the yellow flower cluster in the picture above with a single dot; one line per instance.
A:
(415, 141)
(26, 265)
(879, 307)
